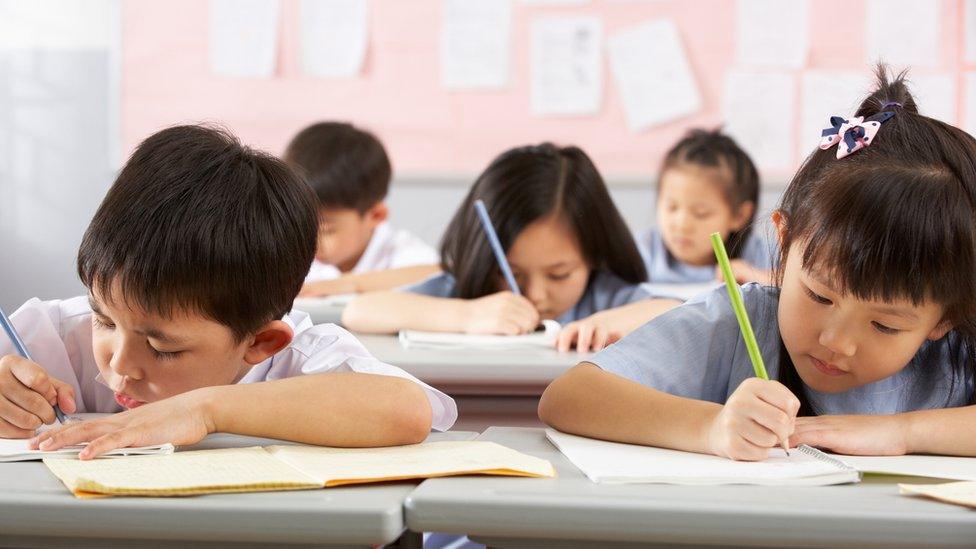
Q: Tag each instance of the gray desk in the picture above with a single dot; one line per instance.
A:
(36, 510)
(490, 387)
(572, 511)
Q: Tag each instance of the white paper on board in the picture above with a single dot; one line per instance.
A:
(772, 33)
(567, 66)
(904, 33)
(653, 75)
(759, 108)
(475, 44)
(244, 37)
(334, 37)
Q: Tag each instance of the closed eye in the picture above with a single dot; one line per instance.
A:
(164, 355)
(817, 298)
(99, 323)
(887, 330)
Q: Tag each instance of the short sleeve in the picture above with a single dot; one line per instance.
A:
(694, 350)
(438, 285)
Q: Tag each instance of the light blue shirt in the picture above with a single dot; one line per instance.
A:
(664, 268)
(696, 351)
(604, 291)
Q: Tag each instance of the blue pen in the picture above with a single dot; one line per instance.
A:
(496, 246)
(22, 350)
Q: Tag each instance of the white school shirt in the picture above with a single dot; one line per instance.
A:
(696, 351)
(388, 248)
(58, 335)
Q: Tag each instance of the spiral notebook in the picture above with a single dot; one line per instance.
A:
(616, 463)
(545, 336)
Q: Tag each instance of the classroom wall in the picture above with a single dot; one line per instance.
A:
(81, 83)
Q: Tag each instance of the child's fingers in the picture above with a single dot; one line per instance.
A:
(600, 338)
(776, 394)
(33, 404)
(756, 433)
(566, 337)
(74, 433)
(15, 414)
(34, 378)
(66, 397)
(108, 442)
(774, 421)
(9, 430)
(741, 449)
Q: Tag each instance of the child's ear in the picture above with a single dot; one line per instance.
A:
(779, 221)
(379, 213)
(743, 214)
(267, 341)
(940, 330)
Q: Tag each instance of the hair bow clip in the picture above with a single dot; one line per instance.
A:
(856, 133)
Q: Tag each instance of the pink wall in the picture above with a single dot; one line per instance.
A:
(166, 79)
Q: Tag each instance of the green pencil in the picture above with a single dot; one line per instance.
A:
(739, 307)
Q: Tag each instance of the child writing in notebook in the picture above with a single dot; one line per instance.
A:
(870, 331)
(571, 255)
(192, 262)
(358, 250)
(707, 184)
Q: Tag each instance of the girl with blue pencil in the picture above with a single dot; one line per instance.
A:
(868, 336)
(571, 256)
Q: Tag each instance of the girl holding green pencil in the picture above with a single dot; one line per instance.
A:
(868, 336)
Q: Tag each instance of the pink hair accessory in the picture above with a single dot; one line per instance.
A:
(852, 135)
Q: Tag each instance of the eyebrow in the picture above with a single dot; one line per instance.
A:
(148, 332)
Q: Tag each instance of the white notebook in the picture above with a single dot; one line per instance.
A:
(947, 467)
(616, 463)
(545, 337)
(17, 450)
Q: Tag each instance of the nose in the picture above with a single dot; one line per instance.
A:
(836, 339)
(124, 361)
(535, 291)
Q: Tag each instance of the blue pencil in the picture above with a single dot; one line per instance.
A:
(496, 246)
(22, 350)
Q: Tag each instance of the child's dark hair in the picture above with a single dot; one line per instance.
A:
(895, 220)
(738, 175)
(347, 167)
(198, 222)
(524, 185)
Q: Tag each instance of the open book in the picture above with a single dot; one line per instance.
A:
(545, 336)
(947, 467)
(16, 449)
(616, 463)
(959, 493)
(256, 469)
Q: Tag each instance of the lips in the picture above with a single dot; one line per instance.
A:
(826, 369)
(127, 402)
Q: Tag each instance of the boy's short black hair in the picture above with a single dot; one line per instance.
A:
(347, 167)
(198, 222)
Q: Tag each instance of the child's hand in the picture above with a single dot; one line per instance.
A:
(27, 397)
(500, 313)
(182, 419)
(854, 435)
(327, 287)
(745, 272)
(756, 417)
(589, 333)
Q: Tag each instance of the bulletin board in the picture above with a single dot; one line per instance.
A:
(434, 132)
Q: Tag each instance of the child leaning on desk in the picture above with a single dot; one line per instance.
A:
(358, 250)
(571, 254)
(192, 262)
(869, 332)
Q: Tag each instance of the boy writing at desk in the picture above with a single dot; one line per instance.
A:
(192, 262)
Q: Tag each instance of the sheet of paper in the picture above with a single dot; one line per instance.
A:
(772, 33)
(825, 94)
(653, 75)
(18, 450)
(617, 463)
(337, 466)
(475, 44)
(567, 66)
(334, 37)
(182, 473)
(759, 110)
(904, 33)
(244, 37)
(949, 467)
(416, 339)
(935, 95)
(969, 28)
(960, 493)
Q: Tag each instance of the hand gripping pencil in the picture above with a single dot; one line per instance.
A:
(22, 350)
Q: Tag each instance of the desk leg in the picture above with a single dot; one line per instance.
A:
(408, 540)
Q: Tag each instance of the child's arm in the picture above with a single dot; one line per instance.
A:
(369, 282)
(388, 312)
(746, 272)
(601, 329)
(591, 402)
(347, 409)
(948, 431)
